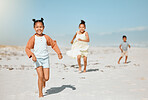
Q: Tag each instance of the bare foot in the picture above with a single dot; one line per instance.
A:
(79, 69)
(40, 95)
(125, 62)
(84, 71)
(118, 62)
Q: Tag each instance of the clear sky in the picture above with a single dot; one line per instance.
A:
(106, 20)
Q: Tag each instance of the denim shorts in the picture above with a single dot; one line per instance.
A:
(44, 62)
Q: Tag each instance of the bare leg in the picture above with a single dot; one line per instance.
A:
(40, 80)
(46, 75)
(79, 61)
(85, 63)
(44, 83)
(119, 60)
(126, 59)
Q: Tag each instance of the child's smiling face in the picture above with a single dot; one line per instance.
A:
(124, 39)
(39, 28)
(82, 28)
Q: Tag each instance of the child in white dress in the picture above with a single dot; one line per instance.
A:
(80, 45)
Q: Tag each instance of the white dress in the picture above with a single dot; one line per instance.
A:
(79, 47)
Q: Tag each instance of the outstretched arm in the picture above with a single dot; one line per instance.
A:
(87, 38)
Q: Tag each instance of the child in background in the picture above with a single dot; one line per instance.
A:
(40, 56)
(124, 49)
(80, 45)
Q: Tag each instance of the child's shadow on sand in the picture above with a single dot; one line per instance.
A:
(92, 70)
(127, 62)
(55, 90)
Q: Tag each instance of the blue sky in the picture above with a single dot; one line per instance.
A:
(106, 20)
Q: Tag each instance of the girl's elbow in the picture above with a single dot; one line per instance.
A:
(26, 49)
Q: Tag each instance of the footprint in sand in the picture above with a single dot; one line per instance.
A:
(110, 66)
(17, 58)
(72, 65)
(61, 64)
(123, 65)
(136, 65)
(101, 70)
(6, 66)
(75, 66)
(93, 64)
(82, 77)
(10, 68)
(64, 65)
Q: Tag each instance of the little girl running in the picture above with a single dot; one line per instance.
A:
(40, 56)
(80, 45)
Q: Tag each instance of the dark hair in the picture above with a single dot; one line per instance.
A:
(38, 21)
(82, 22)
(124, 36)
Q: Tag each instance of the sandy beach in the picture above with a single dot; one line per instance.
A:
(104, 79)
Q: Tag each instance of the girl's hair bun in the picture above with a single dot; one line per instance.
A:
(33, 20)
(82, 22)
(42, 19)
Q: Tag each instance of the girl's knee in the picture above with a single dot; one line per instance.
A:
(40, 77)
(79, 56)
(46, 78)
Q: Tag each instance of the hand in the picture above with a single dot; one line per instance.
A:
(71, 42)
(121, 50)
(60, 56)
(34, 58)
(80, 39)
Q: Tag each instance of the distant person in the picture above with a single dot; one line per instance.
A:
(124, 49)
(40, 56)
(80, 45)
